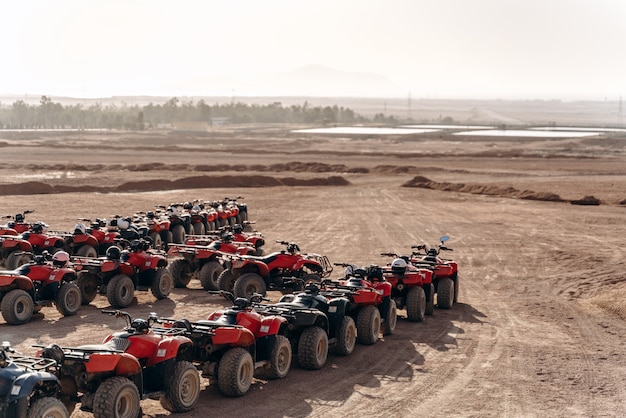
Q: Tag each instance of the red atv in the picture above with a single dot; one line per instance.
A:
(203, 261)
(254, 238)
(287, 271)
(158, 229)
(106, 238)
(17, 224)
(38, 284)
(41, 240)
(120, 273)
(412, 287)
(234, 342)
(81, 242)
(371, 305)
(140, 362)
(180, 222)
(445, 272)
(14, 251)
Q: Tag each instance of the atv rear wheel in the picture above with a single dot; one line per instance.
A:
(120, 291)
(199, 229)
(248, 284)
(47, 407)
(346, 336)
(445, 293)
(87, 251)
(162, 284)
(456, 287)
(430, 299)
(183, 389)
(68, 299)
(88, 285)
(416, 304)
(391, 318)
(235, 372)
(116, 397)
(17, 307)
(181, 272)
(208, 275)
(226, 280)
(157, 241)
(312, 348)
(16, 259)
(178, 234)
(280, 358)
(368, 324)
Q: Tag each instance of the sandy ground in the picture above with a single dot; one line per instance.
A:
(539, 328)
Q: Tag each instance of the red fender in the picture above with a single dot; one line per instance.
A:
(22, 282)
(240, 337)
(124, 364)
(270, 325)
(311, 264)
(7, 231)
(167, 349)
(86, 239)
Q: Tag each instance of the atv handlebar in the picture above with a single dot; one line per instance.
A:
(389, 255)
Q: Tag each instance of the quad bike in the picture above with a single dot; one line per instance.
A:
(81, 242)
(254, 238)
(120, 273)
(371, 305)
(412, 287)
(138, 363)
(47, 280)
(17, 224)
(29, 387)
(14, 251)
(445, 272)
(288, 270)
(316, 321)
(203, 261)
(41, 240)
(180, 222)
(235, 342)
(106, 238)
(227, 212)
(158, 229)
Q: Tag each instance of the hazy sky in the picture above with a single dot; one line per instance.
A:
(561, 49)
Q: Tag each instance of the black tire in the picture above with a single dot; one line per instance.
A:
(47, 408)
(368, 325)
(430, 299)
(199, 229)
(209, 274)
(312, 348)
(235, 372)
(87, 251)
(180, 269)
(248, 284)
(445, 293)
(116, 397)
(157, 241)
(226, 280)
(416, 304)
(183, 390)
(69, 299)
(280, 358)
(88, 285)
(456, 287)
(391, 319)
(178, 234)
(16, 259)
(17, 307)
(166, 238)
(120, 291)
(346, 337)
(162, 284)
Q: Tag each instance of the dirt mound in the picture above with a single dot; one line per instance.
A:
(423, 182)
(196, 182)
(587, 200)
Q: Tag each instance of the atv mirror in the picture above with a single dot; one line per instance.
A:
(444, 238)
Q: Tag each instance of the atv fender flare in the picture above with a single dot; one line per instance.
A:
(11, 281)
(124, 364)
(237, 336)
(308, 264)
(169, 348)
(271, 325)
(48, 383)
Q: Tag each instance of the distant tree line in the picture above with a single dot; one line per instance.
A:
(50, 115)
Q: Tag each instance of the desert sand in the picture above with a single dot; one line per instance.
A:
(539, 328)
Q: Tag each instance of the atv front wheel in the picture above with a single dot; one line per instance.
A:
(226, 280)
(116, 397)
(235, 372)
(87, 251)
(47, 407)
(312, 348)
(208, 275)
(248, 284)
(88, 285)
(120, 291)
(183, 389)
(162, 284)
(346, 336)
(68, 299)
(280, 358)
(17, 307)
(445, 293)
(430, 299)
(416, 304)
(157, 242)
(391, 319)
(368, 325)
(178, 234)
(181, 272)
